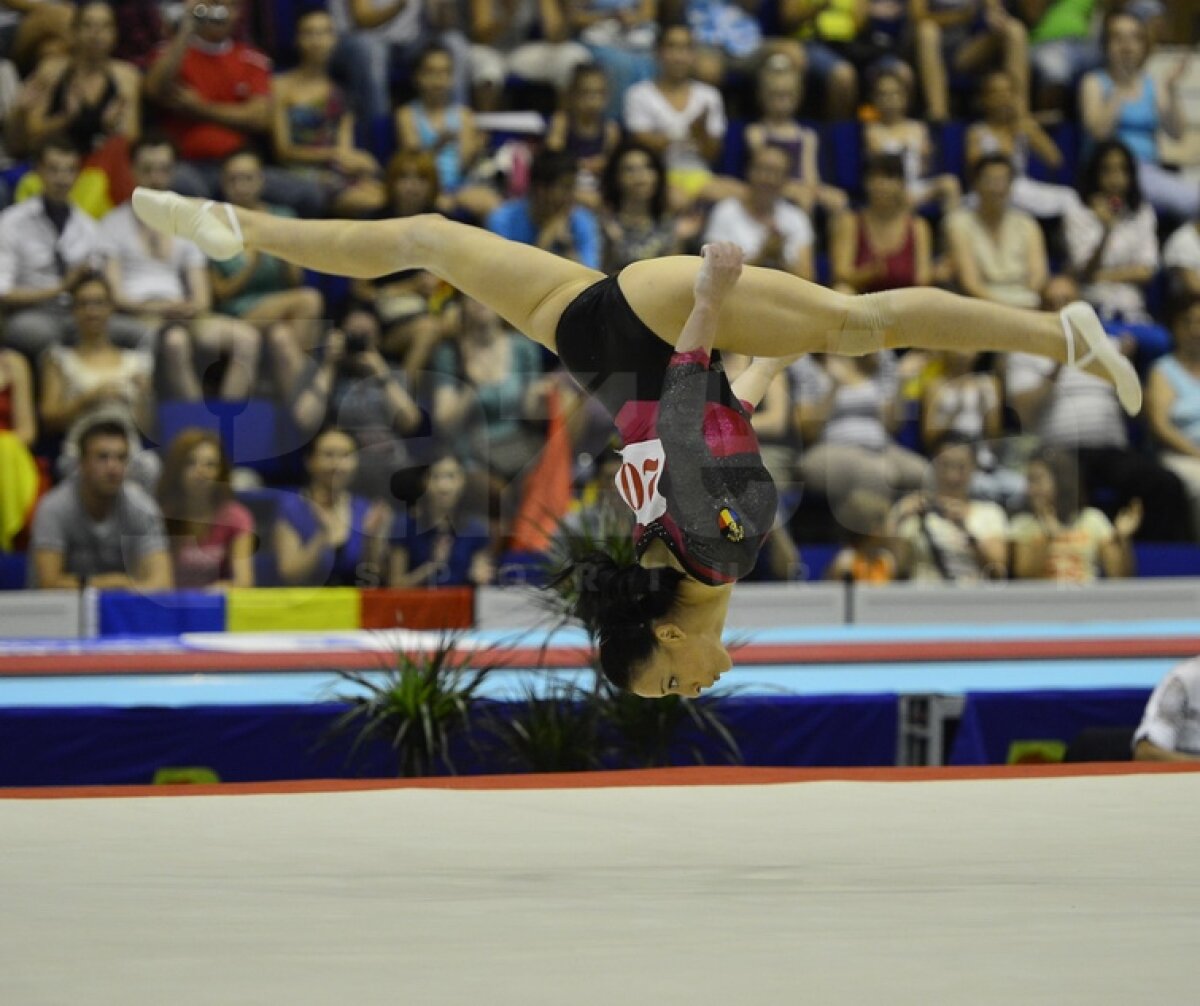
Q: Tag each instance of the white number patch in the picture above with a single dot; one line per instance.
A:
(638, 478)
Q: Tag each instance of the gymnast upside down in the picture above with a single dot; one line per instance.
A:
(643, 344)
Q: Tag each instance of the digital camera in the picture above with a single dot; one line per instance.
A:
(210, 12)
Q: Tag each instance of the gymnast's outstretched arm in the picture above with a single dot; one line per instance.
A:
(751, 384)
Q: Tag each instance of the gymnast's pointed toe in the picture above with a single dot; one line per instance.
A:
(171, 213)
(1080, 318)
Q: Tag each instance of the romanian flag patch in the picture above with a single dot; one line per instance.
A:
(730, 524)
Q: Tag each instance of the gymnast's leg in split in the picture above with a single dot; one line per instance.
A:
(769, 313)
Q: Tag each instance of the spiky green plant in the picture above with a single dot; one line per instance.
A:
(642, 733)
(418, 706)
(549, 729)
(595, 529)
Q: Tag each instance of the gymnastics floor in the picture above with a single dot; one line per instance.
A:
(736, 886)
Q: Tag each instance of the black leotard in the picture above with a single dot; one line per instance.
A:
(692, 473)
(86, 129)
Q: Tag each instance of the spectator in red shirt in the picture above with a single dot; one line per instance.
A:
(216, 94)
(144, 25)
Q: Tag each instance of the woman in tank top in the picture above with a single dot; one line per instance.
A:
(435, 123)
(1122, 101)
(93, 99)
(313, 127)
(79, 382)
(780, 93)
(883, 246)
(1008, 129)
(894, 132)
(582, 129)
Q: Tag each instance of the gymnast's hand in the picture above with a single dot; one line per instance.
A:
(719, 271)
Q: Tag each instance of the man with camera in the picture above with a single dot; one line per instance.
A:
(943, 534)
(355, 388)
(215, 92)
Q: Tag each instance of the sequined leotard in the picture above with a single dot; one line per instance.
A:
(691, 468)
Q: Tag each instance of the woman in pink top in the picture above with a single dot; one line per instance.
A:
(212, 535)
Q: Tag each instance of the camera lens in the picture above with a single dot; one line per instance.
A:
(210, 12)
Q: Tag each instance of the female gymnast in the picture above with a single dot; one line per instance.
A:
(642, 342)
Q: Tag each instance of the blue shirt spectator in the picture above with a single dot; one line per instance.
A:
(547, 217)
(578, 240)
(449, 551)
(440, 543)
(335, 566)
(324, 534)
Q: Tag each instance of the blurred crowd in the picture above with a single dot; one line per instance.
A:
(1017, 152)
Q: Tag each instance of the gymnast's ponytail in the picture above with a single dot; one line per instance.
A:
(618, 605)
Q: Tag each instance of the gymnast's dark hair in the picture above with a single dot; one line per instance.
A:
(618, 605)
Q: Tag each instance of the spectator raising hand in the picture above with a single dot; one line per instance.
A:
(440, 542)
(548, 216)
(93, 99)
(215, 92)
(1060, 537)
(943, 534)
(324, 534)
(770, 231)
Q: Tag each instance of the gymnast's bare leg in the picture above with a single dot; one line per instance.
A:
(770, 313)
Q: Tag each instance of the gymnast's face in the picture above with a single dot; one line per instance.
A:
(684, 663)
